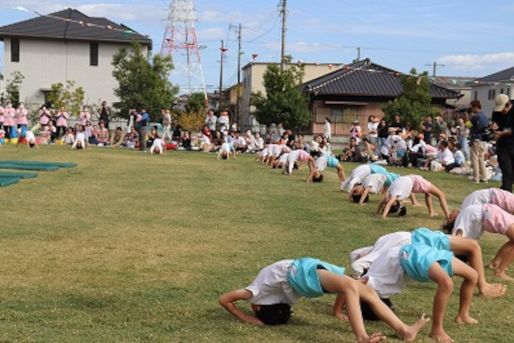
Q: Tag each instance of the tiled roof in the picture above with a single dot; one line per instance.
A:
(365, 78)
(51, 28)
(504, 75)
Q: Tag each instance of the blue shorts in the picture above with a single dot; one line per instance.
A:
(332, 162)
(390, 177)
(416, 260)
(303, 276)
(435, 239)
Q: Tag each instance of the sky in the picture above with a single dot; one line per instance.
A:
(470, 38)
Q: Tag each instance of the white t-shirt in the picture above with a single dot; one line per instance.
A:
(158, 143)
(29, 136)
(357, 175)
(363, 258)
(226, 147)
(445, 156)
(259, 142)
(401, 187)
(480, 197)
(321, 163)
(386, 275)
(283, 159)
(271, 285)
(80, 137)
(372, 130)
(375, 182)
(469, 222)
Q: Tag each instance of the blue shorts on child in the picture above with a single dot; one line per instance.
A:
(332, 162)
(416, 260)
(390, 177)
(435, 239)
(303, 276)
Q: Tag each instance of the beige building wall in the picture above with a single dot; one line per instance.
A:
(253, 74)
(481, 92)
(45, 62)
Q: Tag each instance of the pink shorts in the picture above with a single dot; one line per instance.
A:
(496, 220)
(420, 185)
(504, 199)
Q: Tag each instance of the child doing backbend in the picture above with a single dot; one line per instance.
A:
(322, 162)
(474, 219)
(405, 187)
(425, 255)
(495, 196)
(374, 184)
(359, 173)
(281, 284)
(226, 150)
(297, 157)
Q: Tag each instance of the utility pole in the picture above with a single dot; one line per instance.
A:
(283, 11)
(222, 54)
(239, 55)
(358, 54)
(434, 67)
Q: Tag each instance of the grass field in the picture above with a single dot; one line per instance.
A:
(133, 247)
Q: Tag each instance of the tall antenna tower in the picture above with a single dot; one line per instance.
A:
(180, 42)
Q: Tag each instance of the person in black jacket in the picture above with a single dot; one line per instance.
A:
(503, 118)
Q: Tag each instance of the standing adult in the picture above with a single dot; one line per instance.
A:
(372, 130)
(166, 125)
(141, 125)
(224, 121)
(440, 128)
(84, 116)
(503, 117)
(396, 124)
(61, 122)
(327, 129)
(427, 129)
(383, 133)
(462, 132)
(211, 120)
(105, 114)
(479, 139)
(44, 117)
(9, 120)
(22, 118)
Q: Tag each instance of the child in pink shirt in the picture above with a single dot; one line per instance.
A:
(44, 117)
(21, 116)
(298, 156)
(2, 117)
(10, 120)
(84, 116)
(62, 121)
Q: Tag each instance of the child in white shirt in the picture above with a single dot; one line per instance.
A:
(158, 146)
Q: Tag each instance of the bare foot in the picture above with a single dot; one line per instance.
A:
(416, 205)
(374, 338)
(441, 337)
(433, 214)
(412, 331)
(503, 276)
(466, 320)
(341, 316)
(493, 290)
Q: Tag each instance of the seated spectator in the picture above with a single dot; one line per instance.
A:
(69, 137)
(325, 147)
(443, 158)
(259, 141)
(205, 143)
(118, 137)
(177, 134)
(417, 150)
(186, 140)
(458, 156)
(102, 134)
(216, 140)
(356, 131)
(131, 138)
(90, 133)
(151, 135)
(80, 139)
(352, 153)
(239, 142)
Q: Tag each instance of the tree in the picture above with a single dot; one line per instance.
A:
(284, 102)
(142, 83)
(67, 96)
(12, 88)
(196, 103)
(415, 103)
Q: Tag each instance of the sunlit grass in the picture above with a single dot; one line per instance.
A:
(133, 247)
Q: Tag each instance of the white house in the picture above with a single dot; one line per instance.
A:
(486, 88)
(48, 50)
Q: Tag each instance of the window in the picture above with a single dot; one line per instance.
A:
(476, 96)
(501, 91)
(493, 94)
(508, 91)
(15, 50)
(93, 53)
(336, 115)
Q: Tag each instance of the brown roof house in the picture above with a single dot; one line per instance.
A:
(357, 91)
(66, 45)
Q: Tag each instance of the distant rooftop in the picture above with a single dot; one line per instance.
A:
(503, 75)
(46, 27)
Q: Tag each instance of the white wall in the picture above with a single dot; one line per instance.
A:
(483, 94)
(45, 62)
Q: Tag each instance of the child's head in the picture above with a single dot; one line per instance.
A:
(318, 177)
(398, 209)
(224, 155)
(357, 190)
(357, 197)
(448, 224)
(276, 314)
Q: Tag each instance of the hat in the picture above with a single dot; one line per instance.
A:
(500, 101)
(356, 121)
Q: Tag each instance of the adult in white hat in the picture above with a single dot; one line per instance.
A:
(503, 117)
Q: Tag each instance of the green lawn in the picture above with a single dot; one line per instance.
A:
(133, 247)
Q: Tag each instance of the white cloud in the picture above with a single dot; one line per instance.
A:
(212, 33)
(470, 62)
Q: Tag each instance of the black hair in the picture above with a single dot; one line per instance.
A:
(315, 153)
(224, 156)
(32, 145)
(357, 197)
(447, 226)
(369, 314)
(398, 209)
(295, 166)
(317, 179)
(276, 314)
